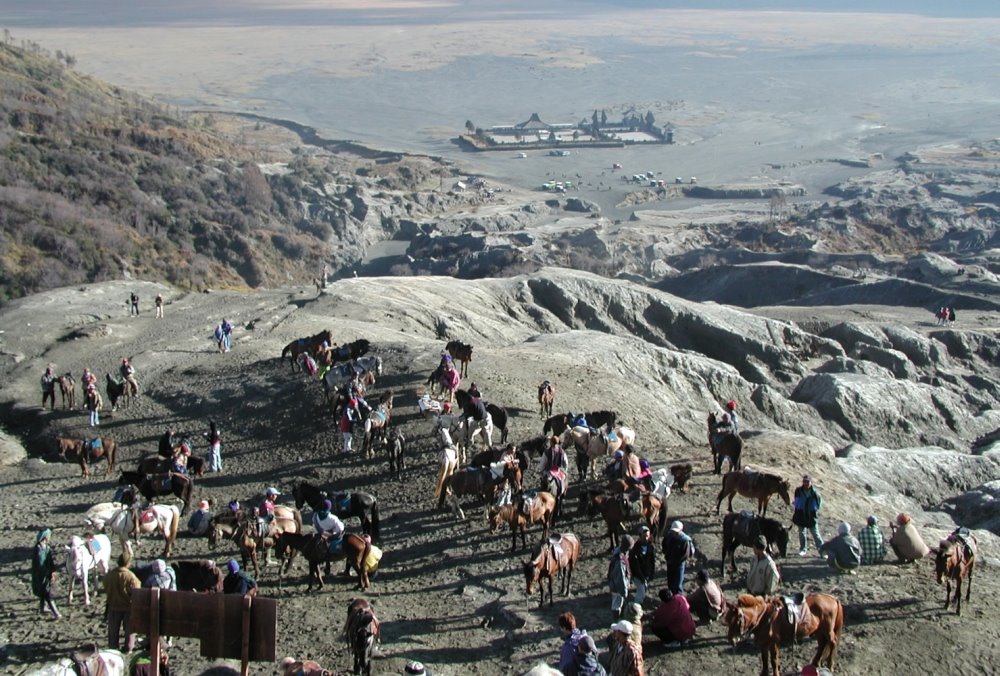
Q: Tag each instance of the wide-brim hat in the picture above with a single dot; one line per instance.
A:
(624, 626)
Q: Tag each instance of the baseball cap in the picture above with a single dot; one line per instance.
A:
(677, 526)
(624, 626)
(587, 645)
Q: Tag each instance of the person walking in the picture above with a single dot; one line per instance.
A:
(626, 656)
(159, 306)
(118, 586)
(49, 388)
(227, 334)
(571, 636)
(872, 542)
(677, 550)
(807, 504)
(619, 575)
(133, 304)
(43, 570)
(763, 577)
(214, 463)
(843, 552)
(642, 563)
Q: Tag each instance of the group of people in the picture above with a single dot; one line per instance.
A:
(133, 305)
(224, 335)
(945, 316)
(93, 402)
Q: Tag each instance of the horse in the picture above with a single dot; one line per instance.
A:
(549, 484)
(377, 425)
(99, 515)
(481, 481)
(556, 555)
(469, 429)
(495, 453)
(362, 631)
(80, 561)
(546, 398)
(163, 518)
(92, 449)
(303, 345)
(497, 413)
(155, 485)
(351, 351)
(354, 503)
(104, 661)
(955, 559)
(339, 375)
(557, 424)
(249, 537)
(316, 550)
(589, 447)
(612, 510)
(525, 510)
(743, 528)
(158, 464)
(770, 623)
(462, 353)
(67, 388)
(119, 389)
(396, 448)
(723, 446)
(751, 484)
(197, 575)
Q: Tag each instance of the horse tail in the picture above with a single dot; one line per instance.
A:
(376, 533)
(186, 495)
(287, 351)
(661, 521)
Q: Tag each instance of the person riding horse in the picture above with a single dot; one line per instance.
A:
(127, 372)
(630, 468)
(477, 412)
(554, 464)
(726, 426)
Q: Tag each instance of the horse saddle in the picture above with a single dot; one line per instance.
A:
(558, 553)
(964, 537)
(341, 502)
(380, 415)
(88, 661)
(95, 444)
(796, 610)
(743, 528)
(527, 500)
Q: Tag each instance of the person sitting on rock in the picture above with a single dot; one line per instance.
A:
(843, 552)
(872, 542)
(905, 541)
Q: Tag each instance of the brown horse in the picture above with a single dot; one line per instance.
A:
(540, 509)
(303, 345)
(589, 447)
(67, 388)
(612, 510)
(250, 539)
(316, 550)
(462, 353)
(479, 481)
(753, 485)
(723, 445)
(363, 633)
(955, 560)
(768, 620)
(88, 449)
(555, 555)
(546, 398)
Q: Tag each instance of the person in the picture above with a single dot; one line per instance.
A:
(554, 463)
(166, 447)
(214, 438)
(633, 613)
(133, 304)
(94, 404)
(723, 428)
(180, 457)
(326, 524)
(626, 656)
(763, 577)
(951, 315)
(293, 667)
(673, 622)
(734, 420)
(707, 600)
(49, 388)
(127, 372)
(118, 586)
(905, 541)
(580, 421)
(201, 519)
(571, 635)
(161, 576)
(159, 306)
(356, 391)
(87, 378)
(843, 552)
(238, 581)
(271, 496)
(227, 334)
(220, 337)
(474, 392)
(141, 663)
(43, 570)
(677, 549)
(450, 379)
(807, 504)
(619, 575)
(480, 415)
(872, 542)
(347, 420)
(642, 563)
(585, 660)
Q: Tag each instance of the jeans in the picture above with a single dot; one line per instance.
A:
(617, 602)
(675, 577)
(95, 418)
(641, 588)
(117, 619)
(214, 458)
(348, 438)
(227, 341)
(814, 531)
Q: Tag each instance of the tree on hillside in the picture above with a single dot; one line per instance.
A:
(604, 118)
(595, 120)
(469, 127)
(650, 119)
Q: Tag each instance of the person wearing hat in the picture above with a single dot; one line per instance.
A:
(872, 542)
(118, 586)
(94, 403)
(49, 388)
(201, 519)
(905, 541)
(415, 669)
(843, 552)
(807, 504)
(271, 495)
(678, 549)
(620, 575)
(161, 576)
(626, 656)
(238, 581)
(474, 392)
(43, 570)
(763, 577)
(642, 563)
(326, 523)
(127, 372)
(585, 661)
(672, 622)
(734, 420)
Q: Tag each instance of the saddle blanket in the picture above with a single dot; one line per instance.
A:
(148, 516)
(341, 502)
(95, 443)
(335, 546)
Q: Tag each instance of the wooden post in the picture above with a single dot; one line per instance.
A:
(245, 656)
(154, 630)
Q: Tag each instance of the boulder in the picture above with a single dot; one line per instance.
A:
(893, 361)
(11, 450)
(849, 335)
(581, 205)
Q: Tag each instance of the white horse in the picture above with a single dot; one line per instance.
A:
(163, 518)
(99, 515)
(474, 429)
(663, 481)
(593, 446)
(626, 434)
(79, 562)
(114, 665)
(370, 363)
(446, 423)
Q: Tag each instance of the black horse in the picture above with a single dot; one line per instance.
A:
(491, 455)
(117, 389)
(557, 424)
(351, 351)
(151, 486)
(742, 528)
(497, 413)
(355, 503)
(396, 447)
